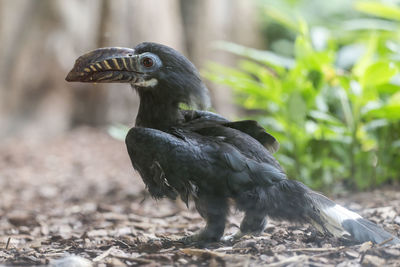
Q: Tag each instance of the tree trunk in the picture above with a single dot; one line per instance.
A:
(40, 40)
(208, 21)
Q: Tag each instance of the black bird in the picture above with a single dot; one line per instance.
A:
(201, 155)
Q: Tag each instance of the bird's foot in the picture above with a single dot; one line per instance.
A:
(200, 240)
(233, 238)
(190, 239)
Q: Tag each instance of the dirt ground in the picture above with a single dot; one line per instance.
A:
(76, 201)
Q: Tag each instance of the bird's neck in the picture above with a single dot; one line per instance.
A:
(157, 113)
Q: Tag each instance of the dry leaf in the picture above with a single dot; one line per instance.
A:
(373, 260)
(365, 246)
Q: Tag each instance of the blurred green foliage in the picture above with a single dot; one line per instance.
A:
(334, 103)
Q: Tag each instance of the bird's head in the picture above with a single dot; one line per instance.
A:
(149, 67)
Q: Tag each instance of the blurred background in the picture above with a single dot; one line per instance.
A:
(40, 41)
(321, 76)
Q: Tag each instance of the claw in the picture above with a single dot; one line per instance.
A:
(233, 238)
(190, 239)
(198, 240)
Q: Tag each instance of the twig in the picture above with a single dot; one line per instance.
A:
(103, 255)
(8, 242)
(386, 241)
(323, 254)
(230, 249)
(122, 243)
(362, 255)
(316, 249)
(138, 260)
(201, 252)
(363, 250)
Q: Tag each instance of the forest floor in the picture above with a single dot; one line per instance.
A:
(75, 199)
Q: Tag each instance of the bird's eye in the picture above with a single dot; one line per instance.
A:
(147, 62)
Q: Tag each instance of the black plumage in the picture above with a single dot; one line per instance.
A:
(203, 156)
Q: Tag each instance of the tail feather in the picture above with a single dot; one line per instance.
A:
(342, 222)
(364, 230)
(293, 201)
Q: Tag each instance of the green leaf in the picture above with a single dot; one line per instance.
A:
(369, 24)
(325, 117)
(297, 108)
(363, 63)
(379, 73)
(388, 88)
(376, 124)
(378, 9)
(390, 112)
(394, 99)
(346, 107)
(303, 47)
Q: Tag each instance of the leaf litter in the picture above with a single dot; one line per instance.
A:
(75, 200)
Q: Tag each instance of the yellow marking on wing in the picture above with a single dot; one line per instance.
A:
(107, 65)
(124, 61)
(86, 69)
(93, 68)
(99, 66)
(116, 63)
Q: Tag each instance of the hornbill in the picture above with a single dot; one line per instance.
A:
(203, 156)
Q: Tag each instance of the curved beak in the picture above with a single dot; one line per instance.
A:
(109, 64)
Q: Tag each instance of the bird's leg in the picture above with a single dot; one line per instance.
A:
(253, 223)
(214, 210)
